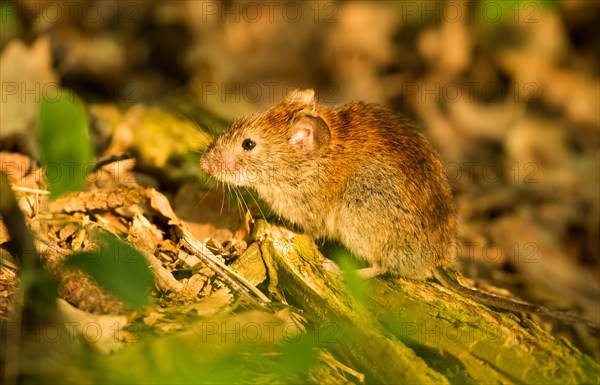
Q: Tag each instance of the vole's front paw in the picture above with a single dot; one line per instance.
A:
(332, 267)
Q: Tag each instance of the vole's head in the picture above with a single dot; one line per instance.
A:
(270, 147)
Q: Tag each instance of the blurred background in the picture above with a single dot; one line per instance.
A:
(508, 92)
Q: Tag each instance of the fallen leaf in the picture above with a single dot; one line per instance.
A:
(27, 78)
(104, 332)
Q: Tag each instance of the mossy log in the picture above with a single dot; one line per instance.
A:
(419, 332)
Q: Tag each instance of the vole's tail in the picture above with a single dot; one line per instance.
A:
(449, 280)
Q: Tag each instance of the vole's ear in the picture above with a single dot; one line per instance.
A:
(301, 96)
(310, 133)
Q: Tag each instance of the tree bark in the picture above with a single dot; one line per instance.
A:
(417, 331)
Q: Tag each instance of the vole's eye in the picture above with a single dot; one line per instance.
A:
(248, 144)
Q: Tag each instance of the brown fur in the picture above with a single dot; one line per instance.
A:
(364, 176)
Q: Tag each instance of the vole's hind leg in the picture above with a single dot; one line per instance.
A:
(365, 273)
(371, 272)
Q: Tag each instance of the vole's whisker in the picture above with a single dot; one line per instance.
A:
(232, 198)
(240, 200)
(262, 214)
(207, 181)
(223, 199)
(242, 206)
(203, 197)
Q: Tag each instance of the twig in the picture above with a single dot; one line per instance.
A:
(231, 278)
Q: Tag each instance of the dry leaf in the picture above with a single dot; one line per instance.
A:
(213, 304)
(26, 78)
(104, 332)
